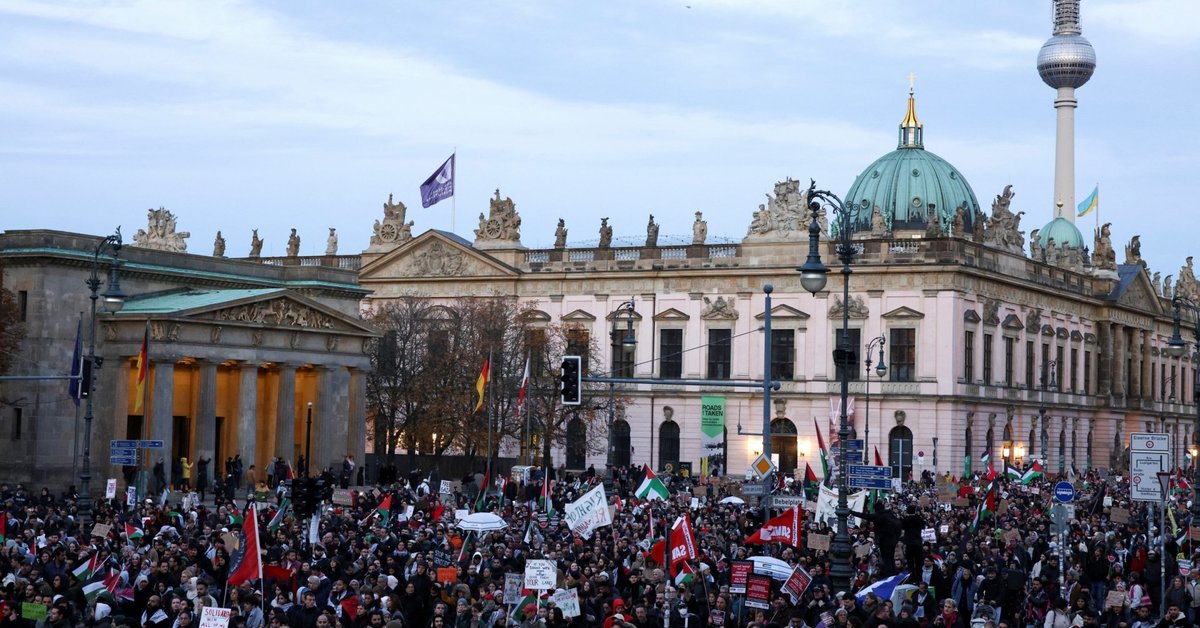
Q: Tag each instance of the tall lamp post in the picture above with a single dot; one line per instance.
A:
(813, 276)
(620, 340)
(1045, 434)
(880, 370)
(114, 300)
(1177, 347)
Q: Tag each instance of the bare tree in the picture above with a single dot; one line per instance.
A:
(12, 330)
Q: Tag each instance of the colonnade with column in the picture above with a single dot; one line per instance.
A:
(204, 408)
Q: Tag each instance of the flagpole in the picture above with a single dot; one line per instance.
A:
(143, 479)
(487, 412)
(454, 197)
(78, 386)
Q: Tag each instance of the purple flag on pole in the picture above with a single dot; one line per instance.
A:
(439, 185)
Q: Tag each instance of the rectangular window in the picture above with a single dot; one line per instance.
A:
(1087, 372)
(1029, 358)
(578, 343)
(1075, 370)
(1009, 351)
(1058, 369)
(23, 304)
(719, 352)
(535, 348)
(1044, 382)
(855, 344)
(902, 345)
(969, 356)
(623, 355)
(670, 348)
(16, 428)
(783, 354)
(987, 359)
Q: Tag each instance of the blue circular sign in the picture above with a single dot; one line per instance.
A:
(1064, 492)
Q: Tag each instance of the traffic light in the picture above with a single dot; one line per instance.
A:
(300, 497)
(571, 380)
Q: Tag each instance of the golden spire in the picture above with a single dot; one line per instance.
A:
(910, 118)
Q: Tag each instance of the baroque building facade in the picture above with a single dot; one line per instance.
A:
(1050, 351)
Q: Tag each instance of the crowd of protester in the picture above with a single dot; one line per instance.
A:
(162, 560)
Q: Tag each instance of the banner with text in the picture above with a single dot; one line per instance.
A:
(589, 512)
(712, 425)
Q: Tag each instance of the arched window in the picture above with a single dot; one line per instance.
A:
(668, 445)
(576, 444)
(620, 443)
(970, 435)
(900, 452)
(783, 444)
(991, 444)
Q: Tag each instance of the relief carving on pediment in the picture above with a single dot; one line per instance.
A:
(278, 312)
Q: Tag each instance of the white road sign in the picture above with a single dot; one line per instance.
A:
(1148, 452)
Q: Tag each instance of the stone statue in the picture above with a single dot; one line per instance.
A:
(699, 229)
(605, 234)
(560, 235)
(160, 233)
(878, 227)
(958, 223)
(719, 308)
(651, 233)
(1156, 282)
(1003, 229)
(219, 245)
(1186, 286)
(331, 242)
(293, 247)
(858, 307)
(502, 224)
(1050, 253)
(784, 214)
(393, 231)
(933, 223)
(1035, 245)
(1103, 255)
(978, 226)
(1166, 287)
(256, 244)
(1133, 251)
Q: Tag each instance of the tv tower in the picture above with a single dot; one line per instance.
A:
(1065, 62)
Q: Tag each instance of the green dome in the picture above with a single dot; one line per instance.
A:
(907, 182)
(1063, 231)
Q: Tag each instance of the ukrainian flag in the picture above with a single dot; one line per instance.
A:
(1089, 203)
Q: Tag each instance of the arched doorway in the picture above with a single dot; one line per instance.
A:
(620, 443)
(900, 452)
(576, 444)
(783, 444)
(668, 445)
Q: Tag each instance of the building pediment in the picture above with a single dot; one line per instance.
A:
(903, 312)
(1135, 291)
(785, 312)
(579, 316)
(1012, 322)
(260, 308)
(435, 255)
(671, 314)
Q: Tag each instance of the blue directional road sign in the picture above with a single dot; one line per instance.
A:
(123, 444)
(870, 476)
(150, 444)
(854, 451)
(122, 456)
(1064, 492)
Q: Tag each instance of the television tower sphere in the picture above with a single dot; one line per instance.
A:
(1067, 59)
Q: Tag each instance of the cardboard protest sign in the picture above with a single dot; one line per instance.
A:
(589, 512)
(568, 601)
(929, 535)
(796, 584)
(513, 582)
(818, 542)
(212, 617)
(447, 575)
(540, 575)
(739, 571)
(758, 591)
(1119, 515)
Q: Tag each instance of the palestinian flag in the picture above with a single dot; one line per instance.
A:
(235, 518)
(1012, 473)
(1032, 473)
(132, 532)
(277, 520)
(483, 491)
(824, 452)
(685, 574)
(87, 568)
(547, 502)
(92, 590)
(985, 461)
(384, 511)
(651, 487)
(812, 485)
(987, 507)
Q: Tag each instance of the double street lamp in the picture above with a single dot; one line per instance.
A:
(813, 276)
(114, 299)
(880, 370)
(1045, 435)
(1176, 347)
(622, 341)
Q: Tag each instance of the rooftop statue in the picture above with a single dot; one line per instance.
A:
(293, 247)
(256, 244)
(219, 245)
(331, 243)
(699, 229)
(606, 233)
(652, 233)
(160, 233)
(560, 234)
(784, 216)
(502, 223)
(1103, 255)
(393, 231)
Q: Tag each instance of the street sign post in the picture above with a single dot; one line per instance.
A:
(870, 477)
(762, 466)
(854, 451)
(1148, 452)
(1064, 492)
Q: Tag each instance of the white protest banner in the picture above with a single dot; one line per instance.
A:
(540, 575)
(212, 617)
(131, 496)
(512, 588)
(110, 488)
(446, 488)
(929, 535)
(461, 513)
(589, 512)
(827, 505)
(568, 601)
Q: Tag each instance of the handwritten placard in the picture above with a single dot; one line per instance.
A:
(1119, 515)
(1114, 599)
(213, 617)
(818, 542)
(101, 530)
(929, 535)
(29, 610)
(447, 574)
(960, 502)
(110, 488)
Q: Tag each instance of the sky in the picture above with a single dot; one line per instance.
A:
(241, 114)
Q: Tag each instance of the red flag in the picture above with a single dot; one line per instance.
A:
(683, 542)
(524, 386)
(437, 512)
(878, 458)
(248, 564)
(350, 607)
(284, 576)
(782, 528)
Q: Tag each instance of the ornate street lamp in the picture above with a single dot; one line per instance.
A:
(1176, 347)
(114, 300)
(813, 276)
(620, 340)
(880, 370)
